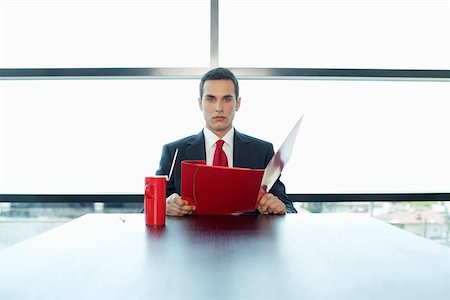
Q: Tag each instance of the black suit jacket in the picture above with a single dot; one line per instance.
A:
(248, 152)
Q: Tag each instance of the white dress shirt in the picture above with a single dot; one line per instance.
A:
(210, 145)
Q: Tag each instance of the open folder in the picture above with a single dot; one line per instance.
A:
(219, 190)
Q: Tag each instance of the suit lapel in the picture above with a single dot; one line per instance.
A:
(195, 148)
(240, 150)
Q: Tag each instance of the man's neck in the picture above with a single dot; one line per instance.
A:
(211, 137)
(220, 133)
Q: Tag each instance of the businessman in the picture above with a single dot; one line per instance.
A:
(219, 143)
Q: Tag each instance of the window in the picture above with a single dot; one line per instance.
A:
(335, 34)
(104, 34)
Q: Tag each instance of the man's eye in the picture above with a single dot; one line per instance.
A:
(228, 99)
(210, 99)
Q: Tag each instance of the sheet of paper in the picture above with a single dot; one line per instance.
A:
(280, 159)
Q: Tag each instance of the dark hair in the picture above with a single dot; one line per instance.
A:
(219, 74)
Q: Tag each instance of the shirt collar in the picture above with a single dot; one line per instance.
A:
(211, 138)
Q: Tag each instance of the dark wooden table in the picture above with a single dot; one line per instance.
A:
(301, 256)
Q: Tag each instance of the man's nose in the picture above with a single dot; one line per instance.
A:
(219, 106)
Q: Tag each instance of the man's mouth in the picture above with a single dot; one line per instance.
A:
(219, 118)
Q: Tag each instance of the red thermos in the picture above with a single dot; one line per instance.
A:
(155, 200)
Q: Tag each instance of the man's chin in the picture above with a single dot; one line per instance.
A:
(220, 129)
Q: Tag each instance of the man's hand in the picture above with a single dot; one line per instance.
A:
(270, 204)
(175, 206)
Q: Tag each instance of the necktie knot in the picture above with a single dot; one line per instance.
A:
(220, 158)
(219, 143)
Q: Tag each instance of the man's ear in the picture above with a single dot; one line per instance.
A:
(238, 103)
(200, 103)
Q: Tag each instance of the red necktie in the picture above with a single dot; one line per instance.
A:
(220, 158)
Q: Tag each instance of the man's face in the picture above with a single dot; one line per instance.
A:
(218, 105)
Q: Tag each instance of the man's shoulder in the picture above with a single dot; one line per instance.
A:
(183, 141)
(250, 139)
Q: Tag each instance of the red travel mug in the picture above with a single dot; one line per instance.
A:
(155, 200)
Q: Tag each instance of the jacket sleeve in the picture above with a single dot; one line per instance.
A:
(278, 189)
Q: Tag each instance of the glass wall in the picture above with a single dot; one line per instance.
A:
(104, 136)
(428, 219)
(335, 34)
(104, 34)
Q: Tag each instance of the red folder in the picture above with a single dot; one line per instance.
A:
(219, 190)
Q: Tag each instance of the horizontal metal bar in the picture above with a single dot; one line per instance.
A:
(103, 73)
(367, 73)
(75, 198)
(241, 73)
(135, 198)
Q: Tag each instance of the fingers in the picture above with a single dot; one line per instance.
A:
(177, 200)
(173, 210)
(264, 203)
(270, 204)
(279, 209)
(175, 206)
(264, 196)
